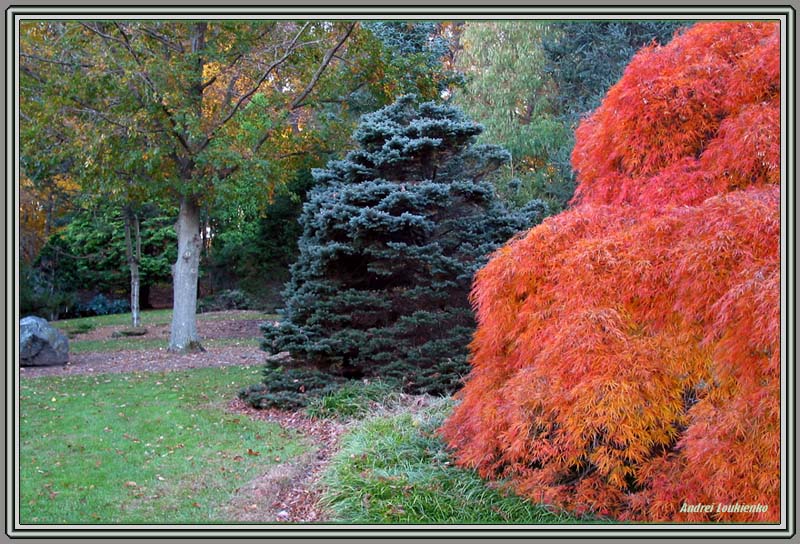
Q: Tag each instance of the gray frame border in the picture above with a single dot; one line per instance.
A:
(785, 12)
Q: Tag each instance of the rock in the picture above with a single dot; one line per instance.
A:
(41, 344)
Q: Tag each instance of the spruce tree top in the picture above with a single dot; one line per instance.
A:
(392, 236)
(404, 142)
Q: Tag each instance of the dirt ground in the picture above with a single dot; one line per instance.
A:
(153, 360)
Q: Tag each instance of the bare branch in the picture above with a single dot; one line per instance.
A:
(173, 124)
(325, 61)
(298, 101)
(61, 63)
(177, 47)
(103, 35)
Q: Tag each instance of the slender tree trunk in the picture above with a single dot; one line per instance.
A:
(133, 250)
(183, 334)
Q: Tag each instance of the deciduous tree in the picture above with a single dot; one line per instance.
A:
(627, 359)
(189, 90)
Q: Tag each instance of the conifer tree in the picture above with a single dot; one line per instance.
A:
(392, 236)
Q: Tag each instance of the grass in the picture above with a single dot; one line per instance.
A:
(150, 317)
(140, 448)
(354, 399)
(395, 470)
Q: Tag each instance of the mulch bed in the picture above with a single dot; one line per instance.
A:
(292, 494)
(156, 360)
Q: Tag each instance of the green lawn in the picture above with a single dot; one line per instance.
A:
(152, 317)
(140, 448)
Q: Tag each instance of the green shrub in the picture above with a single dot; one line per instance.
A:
(392, 236)
(354, 399)
(102, 305)
(288, 388)
(229, 299)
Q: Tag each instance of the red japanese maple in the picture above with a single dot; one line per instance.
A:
(627, 358)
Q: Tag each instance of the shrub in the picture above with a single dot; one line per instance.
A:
(627, 358)
(395, 469)
(355, 398)
(288, 389)
(392, 236)
(102, 305)
(228, 299)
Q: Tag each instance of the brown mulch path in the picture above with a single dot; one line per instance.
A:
(155, 360)
(288, 492)
(216, 329)
(159, 359)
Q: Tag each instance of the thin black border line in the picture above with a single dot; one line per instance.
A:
(790, 15)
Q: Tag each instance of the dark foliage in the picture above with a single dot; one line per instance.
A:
(288, 388)
(102, 305)
(586, 58)
(392, 236)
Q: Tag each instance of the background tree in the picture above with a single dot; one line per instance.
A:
(508, 92)
(253, 240)
(392, 235)
(90, 255)
(530, 82)
(627, 358)
(185, 87)
(583, 60)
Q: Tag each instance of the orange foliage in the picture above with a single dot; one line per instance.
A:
(627, 358)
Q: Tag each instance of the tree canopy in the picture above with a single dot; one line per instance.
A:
(194, 112)
(392, 236)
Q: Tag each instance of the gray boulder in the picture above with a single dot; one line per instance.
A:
(41, 344)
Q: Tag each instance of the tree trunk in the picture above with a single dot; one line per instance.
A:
(183, 334)
(133, 250)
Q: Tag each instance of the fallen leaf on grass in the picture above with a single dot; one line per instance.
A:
(252, 452)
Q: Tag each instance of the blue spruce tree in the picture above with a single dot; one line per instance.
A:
(392, 236)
